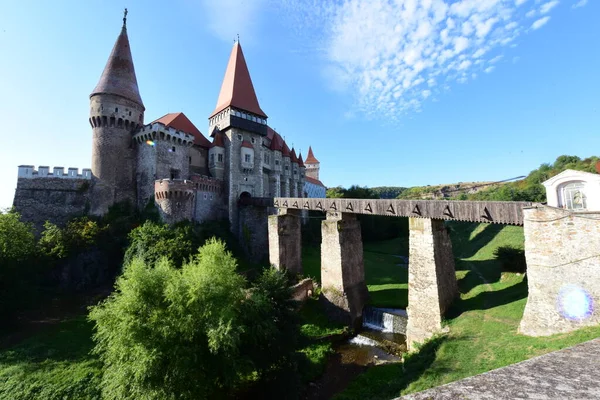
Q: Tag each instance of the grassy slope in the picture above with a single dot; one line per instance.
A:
(52, 365)
(483, 323)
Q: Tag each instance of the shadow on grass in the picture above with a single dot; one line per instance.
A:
(388, 381)
(489, 270)
(463, 245)
(68, 341)
(392, 298)
(487, 300)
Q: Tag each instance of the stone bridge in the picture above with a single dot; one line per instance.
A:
(562, 251)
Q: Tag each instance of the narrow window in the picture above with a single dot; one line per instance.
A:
(190, 160)
(173, 149)
(247, 158)
(116, 110)
(220, 157)
(239, 137)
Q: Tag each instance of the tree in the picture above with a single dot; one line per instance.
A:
(18, 269)
(193, 332)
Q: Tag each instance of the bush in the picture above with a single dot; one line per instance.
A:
(193, 332)
(18, 268)
(512, 259)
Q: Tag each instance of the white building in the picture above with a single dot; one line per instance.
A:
(574, 190)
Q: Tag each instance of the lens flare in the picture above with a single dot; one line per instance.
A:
(575, 303)
(150, 142)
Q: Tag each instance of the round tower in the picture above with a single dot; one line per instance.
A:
(116, 112)
(175, 199)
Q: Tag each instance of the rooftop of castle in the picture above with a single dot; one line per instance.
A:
(237, 89)
(182, 123)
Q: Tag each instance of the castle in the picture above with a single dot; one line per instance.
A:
(169, 161)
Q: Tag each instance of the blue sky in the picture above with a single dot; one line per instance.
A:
(387, 92)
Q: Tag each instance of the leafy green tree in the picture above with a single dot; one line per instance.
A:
(18, 267)
(193, 332)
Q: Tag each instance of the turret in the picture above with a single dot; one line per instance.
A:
(116, 112)
(295, 174)
(312, 165)
(216, 155)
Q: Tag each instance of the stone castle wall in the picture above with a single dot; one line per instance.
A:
(53, 199)
(562, 249)
(253, 231)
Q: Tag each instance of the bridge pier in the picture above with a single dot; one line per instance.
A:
(431, 278)
(342, 268)
(285, 240)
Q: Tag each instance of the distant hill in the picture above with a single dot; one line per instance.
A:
(388, 192)
(445, 191)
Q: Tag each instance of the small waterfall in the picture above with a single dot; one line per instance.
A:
(385, 319)
(363, 341)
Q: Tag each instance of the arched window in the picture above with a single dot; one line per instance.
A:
(573, 195)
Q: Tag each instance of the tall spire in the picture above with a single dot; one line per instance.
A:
(310, 158)
(118, 77)
(237, 89)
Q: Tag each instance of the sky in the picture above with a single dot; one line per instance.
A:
(394, 93)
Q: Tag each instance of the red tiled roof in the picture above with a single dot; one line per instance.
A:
(310, 159)
(313, 181)
(270, 133)
(180, 122)
(277, 142)
(218, 140)
(247, 144)
(285, 151)
(293, 156)
(118, 77)
(300, 162)
(237, 89)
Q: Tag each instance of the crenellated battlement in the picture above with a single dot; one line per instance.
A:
(208, 184)
(29, 172)
(174, 189)
(158, 131)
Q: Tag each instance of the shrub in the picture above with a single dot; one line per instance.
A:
(512, 259)
(193, 332)
(18, 269)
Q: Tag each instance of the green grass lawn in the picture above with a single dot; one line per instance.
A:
(483, 323)
(54, 364)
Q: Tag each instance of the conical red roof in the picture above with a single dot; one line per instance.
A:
(276, 140)
(237, 89)
(182, 123)
(118, 77)
(285, 150)
(218, 140)
(293, 156)
(310, 159)
(300, 162)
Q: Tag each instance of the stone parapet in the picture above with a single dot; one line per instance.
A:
(29, 172)
(431, 278)
(562, 249)
(208, 184)
(158, 131)
(175, 199)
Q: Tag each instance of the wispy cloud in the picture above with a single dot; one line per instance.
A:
(546, 7)
(580, 3)
(540, 22)
(394, 55)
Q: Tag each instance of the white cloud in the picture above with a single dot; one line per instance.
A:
(580, 3)
(546, 7)
(391, 56)
(539, 23)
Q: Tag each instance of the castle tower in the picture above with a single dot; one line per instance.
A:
(243, 123)
(312, 165)
(116, 111)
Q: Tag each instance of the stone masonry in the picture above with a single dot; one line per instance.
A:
(342, 268)
(285, 244)
(563, 269)
(431, 278)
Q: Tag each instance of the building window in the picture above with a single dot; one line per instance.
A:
(190, 160)
(287, 167)
(116, 110)
(247, 158)
(173, 149)
(276, 162)
(240, 137)
(574, 196)
(219, 157)
(212, 158)
(253, 140)
(266, 158)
